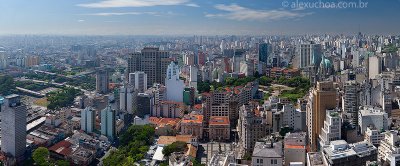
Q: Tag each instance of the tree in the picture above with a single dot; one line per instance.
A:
(41, 156)
(178, 146)
(62, 163)
(7, 85)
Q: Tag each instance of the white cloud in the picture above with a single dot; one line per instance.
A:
(192, 5)
(131, 13)
(239, 13)
(132, 3)
(81, 20)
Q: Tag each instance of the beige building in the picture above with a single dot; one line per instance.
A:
(192, 125)
(251, 127)
(219, 128)
(320, 99)
(169, 109)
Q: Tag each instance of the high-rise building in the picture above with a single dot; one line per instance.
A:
(263, 51)
(127, 97)
(374, 117)
(309, 54)
(102, 81)
(389, 149)
(3, 60)
(139, 81)
(174, 84)
(252, 127)
(144, 105)
(320, 99)
(13, 126)
(295, 148)
(88, 119)
(108, 122)
(374, 66)
(151, 61)
(350, 101)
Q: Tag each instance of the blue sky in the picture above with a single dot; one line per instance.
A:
(195, 17)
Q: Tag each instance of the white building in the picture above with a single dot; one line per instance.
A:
(341, 153)
(127, 97)
(174, 85)
(3, 60)
(88, 119)
(13, 126)
(108, 122)
(332, 128)
(295, 148)
(389, 149)
(375, 117)
(139, 81)
(102, 81)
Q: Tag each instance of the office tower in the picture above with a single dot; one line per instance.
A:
(332, 128)
(102, 81)
(13, 126)
(263, 51)
(372, 117)
(108, 122)
(151, 61)
(88, 119)
(127, 97)
(309, 54)
(350, 101)
(32, 61)
(139, 81)
(144, 105)
(174, 84)
(389, 149)
(189, 96)
(320, 99)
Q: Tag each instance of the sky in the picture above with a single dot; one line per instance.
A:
(199, 17)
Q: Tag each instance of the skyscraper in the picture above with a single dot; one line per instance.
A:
(127, 97)
(139, 81)
(108, 122)
(102, 81)
(309, 54)
(321, 98)
(263, 50)
(13, 126)
(350, 101)
(88, 117)
(151, 61)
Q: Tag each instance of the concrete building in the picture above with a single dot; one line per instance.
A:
(374, 66)
(13, 126)
(251, 127)
(389, 149)
(138, 80)
(374, 117)
(374, 136)
(267, 154)
(169, 109)
(320, 99)
(108, 122)
(332, 128)
(151, 61)
(219, 128)
(192, 125)
(88, 119)
(174, 84)
(295, 148)
(193, 76)
(102, 81)
(341, 153)
(3, 60)
(350, 101)
(189, 96)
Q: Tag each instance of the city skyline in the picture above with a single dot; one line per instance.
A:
(192, 17)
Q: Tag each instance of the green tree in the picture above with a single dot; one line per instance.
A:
(174, 147)
(41, 156)
(62, 163)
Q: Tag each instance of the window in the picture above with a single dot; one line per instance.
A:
(258, 161)
(261, 161)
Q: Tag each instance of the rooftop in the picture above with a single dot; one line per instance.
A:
(192, 119)
(264, 149)
(219, 120)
